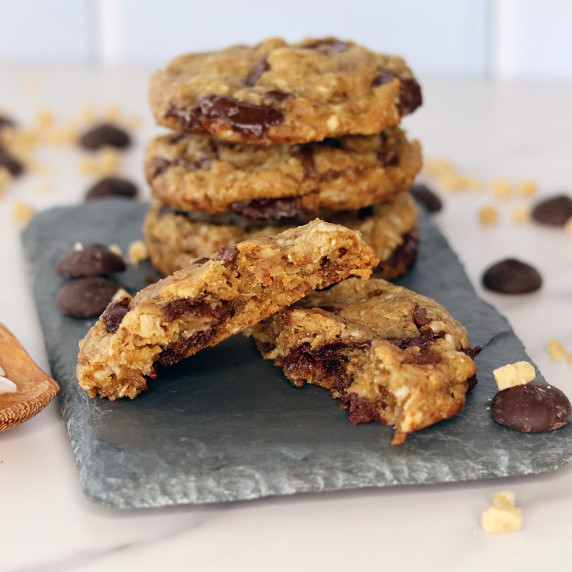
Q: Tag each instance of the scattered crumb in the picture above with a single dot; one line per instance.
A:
(22, 212)
(40, 169)
(526, 187)
(111, 113)
(87, 114)
(521, 214)
(556, 349)
(105, 162)
(502, 515)
(500, 188)
(137, 252)
(448, 177)
(115, 249)
(121, 293)
(78, 246)
(46, 188)
(5, 179)
(568, 227)
(132, 122)
(513, 374)
(62, 135)
(44, 117)
(488, 215)
(569, 358)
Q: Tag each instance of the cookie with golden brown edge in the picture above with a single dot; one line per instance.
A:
(276, 92)
(211, 300)
(389, 354)
(196, 172)
(176, 238)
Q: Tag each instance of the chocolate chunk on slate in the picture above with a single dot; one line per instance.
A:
(105, 134)
(287, 207)
(93, 260)
(111, 187)
(511, 276)
(10, 163)
(86, 297)
(532, 408)
(425, 197)
(554, 211)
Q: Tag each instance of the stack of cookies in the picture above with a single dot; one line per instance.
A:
(273, 136)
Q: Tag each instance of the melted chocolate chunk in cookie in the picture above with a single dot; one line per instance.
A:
(555, 211)
(114, 314)
(511, 276)
(410, 97)
(288, 207)
(246, 118)
(532, 408)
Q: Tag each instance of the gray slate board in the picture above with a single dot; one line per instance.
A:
(226, 425)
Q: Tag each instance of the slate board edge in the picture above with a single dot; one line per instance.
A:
(124, 499)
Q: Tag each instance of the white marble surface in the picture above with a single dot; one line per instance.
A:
(511, 131)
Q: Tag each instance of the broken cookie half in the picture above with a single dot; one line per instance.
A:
(212, 299)
(389, 354)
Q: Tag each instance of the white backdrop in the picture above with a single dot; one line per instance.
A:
(440, 38)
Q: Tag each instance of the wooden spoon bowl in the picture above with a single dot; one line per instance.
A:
(35, 387)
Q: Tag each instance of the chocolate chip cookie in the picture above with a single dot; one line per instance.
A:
(176, 238)
(279, 93)
(212, 299)
(388, 354)
(196, 172)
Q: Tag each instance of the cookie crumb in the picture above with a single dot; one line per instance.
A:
(526, 187)
(500, 188)
(137, 252)
(569, 358)
(22, 212)
(520, 214)
(502, 515)
(78, 246)
(513, 374)
(488, 215)
(568, 227)
(45, 188)
(556, 349)
(115, 249)
(5, 179)
(106, 162)
(44, 117)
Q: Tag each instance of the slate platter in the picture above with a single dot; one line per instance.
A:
(226, 425)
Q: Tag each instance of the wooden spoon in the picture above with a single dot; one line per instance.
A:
(35, 388)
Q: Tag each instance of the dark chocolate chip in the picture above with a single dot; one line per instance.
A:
(112, 187)
(6, 122)
(532, 408)
(228, 257)
(306, 157)
(361, 410)
(10, 163)
(511, 276)
(403, 256)
(200, 261)
(425, 197)
(86, 297)
(160, 165)
(253, 77)
(114, 314)
(420, 317)
(287, 207)
(178, 350)
(554, 211)
(103, 135)
(92, 260)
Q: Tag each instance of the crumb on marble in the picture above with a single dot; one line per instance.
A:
(488, 215)
(526, 187)
(556, 350)
(521, 214)
(105, 162)
(502, 515)
(22, 212)
(500, 188)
